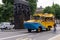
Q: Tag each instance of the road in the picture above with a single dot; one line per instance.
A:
(22, 34)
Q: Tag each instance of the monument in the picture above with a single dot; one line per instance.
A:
(21, 13)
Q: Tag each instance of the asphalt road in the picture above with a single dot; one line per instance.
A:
(22, 34)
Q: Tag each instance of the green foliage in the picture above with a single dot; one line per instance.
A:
(8, 1)
(33, 5)
(55, 9)
(48, 10)
(6, 11)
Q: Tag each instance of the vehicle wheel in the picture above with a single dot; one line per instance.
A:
(6, 28)
(39, 30)
(1, 28)
(29, 30)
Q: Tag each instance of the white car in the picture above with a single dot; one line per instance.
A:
(6, 25)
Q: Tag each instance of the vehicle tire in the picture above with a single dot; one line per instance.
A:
(1, 28)
(29, 30)
(39, 30)
(6, 28)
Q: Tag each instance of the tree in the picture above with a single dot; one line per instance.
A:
(55, 9)
(47, 10)
(1, 8)
(8, 1)
(6, 10)
(33, 5)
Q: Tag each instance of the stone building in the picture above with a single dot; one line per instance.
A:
(39, 10)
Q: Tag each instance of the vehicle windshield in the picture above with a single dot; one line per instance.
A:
(36, 17)
(42, 18)
(39, 18)
(48, 19)
(5, 23)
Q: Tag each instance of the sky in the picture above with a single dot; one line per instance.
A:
(1, 2)
(45, 3)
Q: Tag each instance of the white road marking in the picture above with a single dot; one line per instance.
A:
(23, 39)
(12, 36)
(57, 37)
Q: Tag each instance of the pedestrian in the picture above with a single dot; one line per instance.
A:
(55, 28)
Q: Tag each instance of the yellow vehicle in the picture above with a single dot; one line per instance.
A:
(47, 20)
(35, 23)
(38, 17)
(40, 22)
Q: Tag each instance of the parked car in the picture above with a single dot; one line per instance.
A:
(6, 25)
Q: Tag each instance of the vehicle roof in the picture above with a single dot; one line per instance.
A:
(40, 14)
(44, 15)
(49, 15)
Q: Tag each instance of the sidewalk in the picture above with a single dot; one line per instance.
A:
(13, 30)
(57, 37)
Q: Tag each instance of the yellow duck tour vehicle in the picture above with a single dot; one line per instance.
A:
(49, 21)
(40, 22)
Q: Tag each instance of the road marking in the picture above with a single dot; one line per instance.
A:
(23, 39)
(13, 36)
(57, 37)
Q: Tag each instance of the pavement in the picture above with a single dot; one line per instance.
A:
(57, 37)
(23, 34)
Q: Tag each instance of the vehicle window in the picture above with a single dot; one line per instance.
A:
(48, 19)
(5, 23)
(2, 24)
(42, 18)
(36, 17)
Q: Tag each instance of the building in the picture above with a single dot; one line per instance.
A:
(39, 10)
